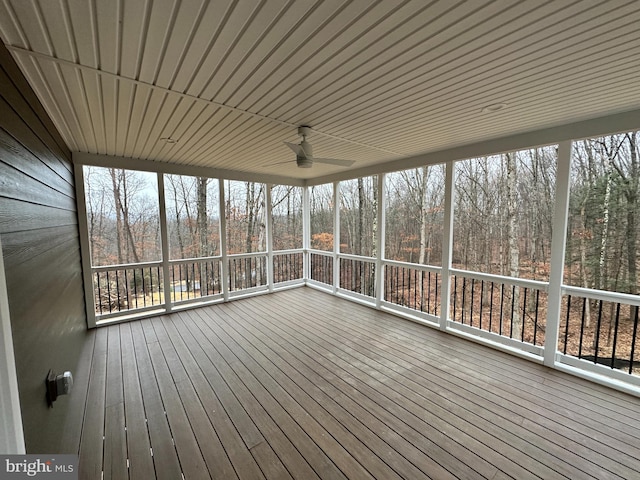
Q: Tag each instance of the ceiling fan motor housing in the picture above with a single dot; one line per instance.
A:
(304, 162)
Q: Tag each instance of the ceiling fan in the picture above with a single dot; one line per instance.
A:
(304, 152)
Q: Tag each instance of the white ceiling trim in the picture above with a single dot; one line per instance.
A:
(58, 61)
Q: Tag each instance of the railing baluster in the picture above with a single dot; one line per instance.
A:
(422, 284)
(615, 336)
(194, 279)
(428, 290)
(584, 311)
(135, 287)
(491, 308)
(633, 339)
(144, 290)
(126, 289)
(597, 345)
(118, 289)
(435, 301)
(455, 296)
(180, 279)
(524, 312)
(513, 300)
(108, 291)
(566, 325)
(473, 281)
(481, 301)
(535, 325)
(99, 293)
(501, 308)
(464, 291)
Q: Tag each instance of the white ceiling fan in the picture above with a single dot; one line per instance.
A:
(304, 152)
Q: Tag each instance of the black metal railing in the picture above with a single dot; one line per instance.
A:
(247, 272)
(601, 331)
(287, 266)
(508, 309)
(322, 268)
(120, 289)
(195, 279)
(358, 276)
(414, 288)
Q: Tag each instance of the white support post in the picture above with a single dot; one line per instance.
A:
(223, 242)
(380, 239)
(269, 227)
(11, 433)
(85, 248)
(336, 236)
(447, 244)
(558, 247)
(306, 234)
(164, 242)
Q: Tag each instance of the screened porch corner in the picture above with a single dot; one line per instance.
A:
(303, 384)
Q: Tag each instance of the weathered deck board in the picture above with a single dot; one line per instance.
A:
(510, 405)
(165, 457)
(301, 384)
(138, 446)
(90, 464)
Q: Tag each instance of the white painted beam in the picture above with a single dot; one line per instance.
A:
(164, 243)
(85, 248)
(113, 161)
(558, 247)
(269, 227)
(447, 243)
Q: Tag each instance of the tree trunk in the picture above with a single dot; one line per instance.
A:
(605, 224)
(632, 208)
(583, 260)
(116, 199)
(202, 221)
(422, 195)
(512, 238)
(203, 244)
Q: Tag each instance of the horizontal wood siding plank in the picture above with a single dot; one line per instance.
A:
(13, 73)
(32, 217)
(29, 163)
(15, 184)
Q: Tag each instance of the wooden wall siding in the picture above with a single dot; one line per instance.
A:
(39, 232)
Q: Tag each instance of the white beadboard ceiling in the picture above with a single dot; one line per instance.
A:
(379, 81)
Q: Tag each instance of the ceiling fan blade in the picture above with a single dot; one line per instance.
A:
(279, 163)
(296, 148)
(334, 161)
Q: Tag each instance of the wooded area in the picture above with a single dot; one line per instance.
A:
(502, 221)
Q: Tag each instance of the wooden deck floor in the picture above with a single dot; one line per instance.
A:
(301, 384)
